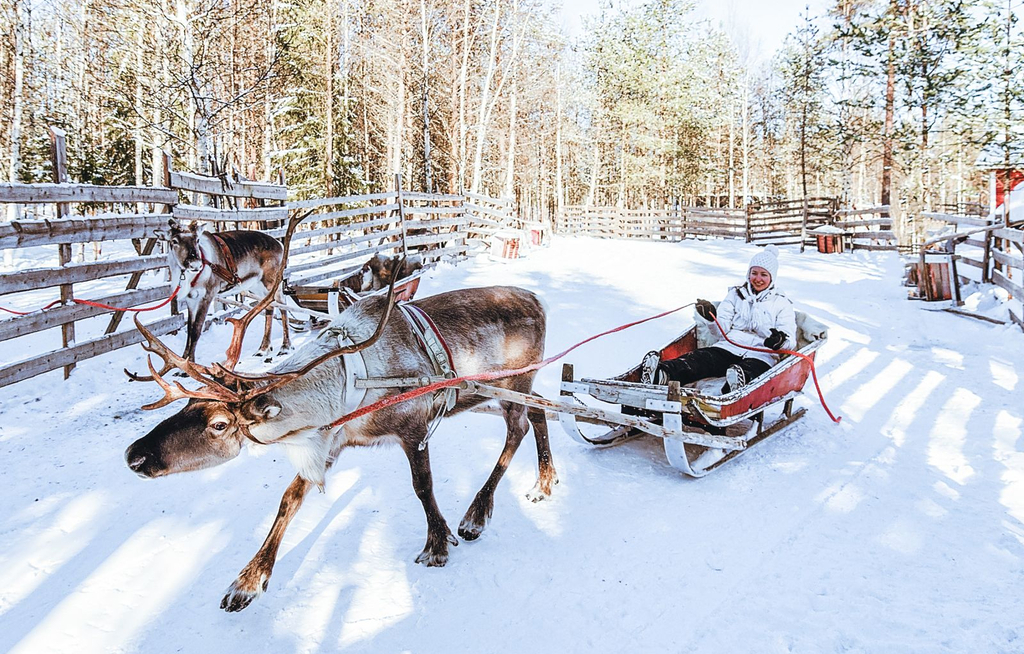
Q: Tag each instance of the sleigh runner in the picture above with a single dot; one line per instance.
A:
(701, 428)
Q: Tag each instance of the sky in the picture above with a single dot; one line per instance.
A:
(758, 25)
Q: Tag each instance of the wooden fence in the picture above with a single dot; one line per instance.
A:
(983, 251)
(337, 236)
(120, 227)
(340, 233)
(867, 229)
(1006, 250)
(776, 222)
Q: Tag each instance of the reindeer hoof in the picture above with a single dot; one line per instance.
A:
(437, 556)
(476, 517)
(237, 597)
(541, 490)
(471, 530)
(432, 559)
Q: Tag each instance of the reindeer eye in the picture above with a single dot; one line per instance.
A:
(220, 425)
(174, 241)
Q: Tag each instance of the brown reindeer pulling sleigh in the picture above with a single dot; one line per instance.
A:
(484, 329)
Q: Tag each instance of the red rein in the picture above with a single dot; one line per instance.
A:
(809, 360)
(98, 304)
(483, 376)
(500, 374)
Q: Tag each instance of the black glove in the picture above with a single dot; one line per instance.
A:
(706, 310)
(776, 339)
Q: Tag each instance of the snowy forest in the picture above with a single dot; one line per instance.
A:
(571, 212)
(877, 101)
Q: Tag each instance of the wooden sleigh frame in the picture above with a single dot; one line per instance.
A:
(327, 301)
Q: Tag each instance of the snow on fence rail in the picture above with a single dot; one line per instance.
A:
(334, 240)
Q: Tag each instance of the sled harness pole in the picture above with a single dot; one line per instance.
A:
(484, 376)
(97, 304)
(806, 358)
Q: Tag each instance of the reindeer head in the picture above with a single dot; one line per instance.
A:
(226, 409)
(204, 434)
(183, 243)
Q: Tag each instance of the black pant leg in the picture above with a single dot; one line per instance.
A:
(699, 364)
(753, 368)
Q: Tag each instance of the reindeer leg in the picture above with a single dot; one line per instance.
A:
(479, 512)
(265, 344)
(286, 339)
(253, 579)
(435, 552)
(546, 475)
(196, 319)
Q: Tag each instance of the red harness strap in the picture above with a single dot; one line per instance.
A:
(228, 273)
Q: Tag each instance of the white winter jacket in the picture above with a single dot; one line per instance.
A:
(748, 319)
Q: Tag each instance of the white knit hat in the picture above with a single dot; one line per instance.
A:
(767, 259)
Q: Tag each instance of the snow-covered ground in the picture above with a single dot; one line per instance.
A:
(899, 530)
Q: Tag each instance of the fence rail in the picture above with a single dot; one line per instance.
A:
(337, 236)
(777, 222)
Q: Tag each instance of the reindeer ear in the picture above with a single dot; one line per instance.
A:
(264, 407)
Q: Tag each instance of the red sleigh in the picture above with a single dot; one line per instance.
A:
(701, 427)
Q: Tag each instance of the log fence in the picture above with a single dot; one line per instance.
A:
(776, 222)
(979, 249)
(68, 279)
(337, 236)
(867, 229)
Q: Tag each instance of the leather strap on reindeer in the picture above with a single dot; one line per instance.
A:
(228, 272)
(440, 356)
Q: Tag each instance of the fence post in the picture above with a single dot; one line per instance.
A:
(803, 228)
(59, 161)
(401, 213)
(749, 211)
(986, 258)
(160, 178)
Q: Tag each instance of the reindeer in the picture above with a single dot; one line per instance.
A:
(381, 272)
(486, 329)
(208, 264)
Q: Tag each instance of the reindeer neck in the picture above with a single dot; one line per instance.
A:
(318, 398)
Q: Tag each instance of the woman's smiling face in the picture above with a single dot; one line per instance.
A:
(759, 278)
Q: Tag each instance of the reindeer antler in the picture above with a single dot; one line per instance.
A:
(234, 351)
(212, 388)
(277, 380)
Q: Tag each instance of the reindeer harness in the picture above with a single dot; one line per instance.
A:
(433, 343)
(228, 273)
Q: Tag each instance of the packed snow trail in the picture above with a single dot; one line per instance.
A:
(900, 530)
